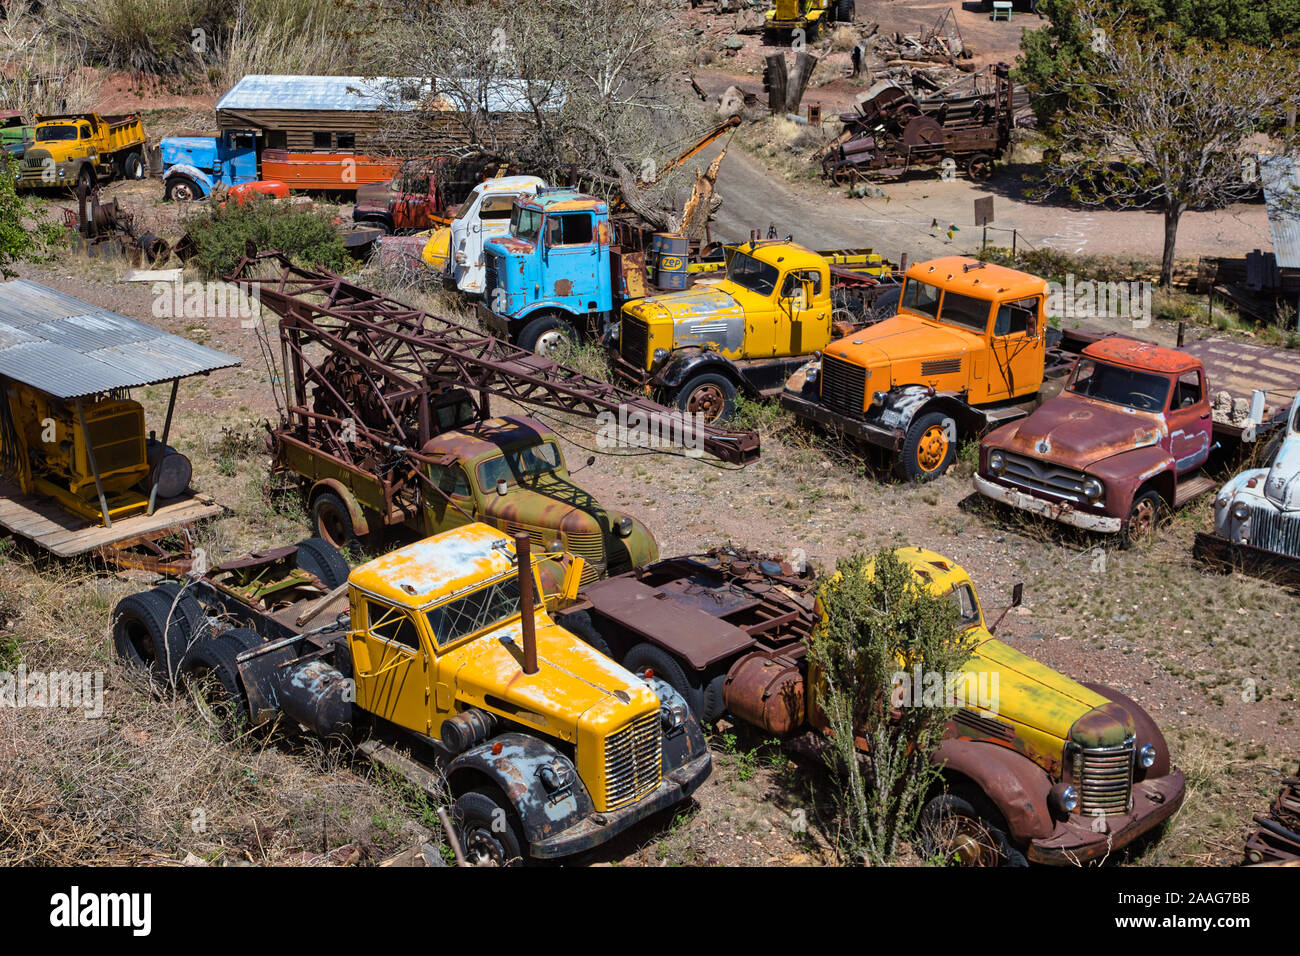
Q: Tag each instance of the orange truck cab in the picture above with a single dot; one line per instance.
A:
(968, 349)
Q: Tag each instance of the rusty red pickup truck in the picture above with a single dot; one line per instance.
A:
(1128, 438)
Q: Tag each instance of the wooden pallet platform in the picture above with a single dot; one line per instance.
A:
(64, 534)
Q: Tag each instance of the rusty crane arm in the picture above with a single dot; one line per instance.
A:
(398, 356)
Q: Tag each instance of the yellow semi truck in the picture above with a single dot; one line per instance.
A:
(78, 150)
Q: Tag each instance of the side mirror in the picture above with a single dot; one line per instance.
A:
(1017, 593)
(591, 460)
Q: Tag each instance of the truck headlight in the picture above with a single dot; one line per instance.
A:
(1240, 511)
(878, 398)
(1146, 756)
(557, 545)
(624, 527)
(555, 776)
(1092, 489)
(660, 355)
(1064, 798)
(997, 462)
(673, 715)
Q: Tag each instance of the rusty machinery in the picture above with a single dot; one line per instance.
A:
(105, 228)
(893, 131)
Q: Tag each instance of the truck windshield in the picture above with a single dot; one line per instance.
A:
(920, 297)
(497, 207)
(748, 273)
(526, 224)
(475, 611)
(965, 311)
(1119, 385)
(518, 464)
(47, 133)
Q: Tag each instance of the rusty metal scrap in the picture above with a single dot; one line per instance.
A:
(388, 362)
(1277, 839)
(106, 228)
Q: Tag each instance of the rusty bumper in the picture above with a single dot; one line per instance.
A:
(498, 325)
(1075, 841)
(597, 828)
(889, 438)
(1061, 511)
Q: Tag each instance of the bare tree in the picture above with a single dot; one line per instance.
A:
(1154, 120)
(587, 88)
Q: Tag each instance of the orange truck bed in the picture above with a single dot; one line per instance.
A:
(328, 171)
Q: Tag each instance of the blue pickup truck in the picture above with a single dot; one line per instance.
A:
(195, 165)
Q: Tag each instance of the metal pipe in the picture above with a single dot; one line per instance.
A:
(167, 428)
(524, 558)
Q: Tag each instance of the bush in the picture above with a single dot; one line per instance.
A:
(221, 235)
(879, 622)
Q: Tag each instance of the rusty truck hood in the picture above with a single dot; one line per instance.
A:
(693, 306)
(1078, 432)
(574, 682)
(904, 338)
(549, 501)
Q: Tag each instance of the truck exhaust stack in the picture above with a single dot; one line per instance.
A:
(524, 559)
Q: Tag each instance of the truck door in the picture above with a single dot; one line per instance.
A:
(803, 317)
(1189, 421)
(1016, 363)
(442, 514)
(572, 261)
(391, 666)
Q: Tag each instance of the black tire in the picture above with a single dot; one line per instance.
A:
(929, 449)
(710, 394)
(845, 11)
(1149, 510)
(182, 189)
(546, 333)
(148, 635)
(381, 224)
(245, 637)
(187, 603)
(579, 624)
(317, 556)
(714, 703)
(480, 815)
(331, 521)
(133, 166)
(967, 826)
(212, 679)
(643, 656)
(85, 178)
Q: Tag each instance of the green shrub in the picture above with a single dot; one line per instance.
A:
(221, 235)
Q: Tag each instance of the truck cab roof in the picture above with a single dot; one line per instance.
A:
(480, 438)
(1146, 356)
(980, 280)
(420, 574)
(563, 199)
(782, 254)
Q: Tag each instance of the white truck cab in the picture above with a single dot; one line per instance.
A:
(1261, 507)
(484, 214)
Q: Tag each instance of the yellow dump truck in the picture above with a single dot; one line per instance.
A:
(82, 149)
(786, 16)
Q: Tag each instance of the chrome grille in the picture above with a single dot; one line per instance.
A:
(634, 341)
(633, 761)
(1104, 778)
(1043, 476)
(1274, 531)
(489, 278)
(844, 385)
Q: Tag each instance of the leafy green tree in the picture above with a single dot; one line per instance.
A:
(16, 240)
(221, 231)
(880, 621)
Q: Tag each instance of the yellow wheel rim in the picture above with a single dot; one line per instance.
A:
(932, 449)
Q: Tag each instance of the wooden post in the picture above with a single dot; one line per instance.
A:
(167, 430)
(94, 468)
(804, 65)
(774, 81)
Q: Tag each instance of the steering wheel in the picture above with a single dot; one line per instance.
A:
(1142, 400)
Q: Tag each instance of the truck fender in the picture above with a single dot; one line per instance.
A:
(1013, 783)
(685, 742)
(201, 179)
(685, 364)
(1128, 471)
(516, 770)
(1144, 727)
(546, 305)
(360, 526)
(904, 405)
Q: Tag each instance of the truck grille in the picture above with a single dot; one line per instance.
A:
(844, 386)
(1042, 476)
(634, 341)
(489, 279)
(1104, 777)
(590, 546)
(633, 764)
(1273, 531)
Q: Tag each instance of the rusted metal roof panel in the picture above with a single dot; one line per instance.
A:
(69, 348)
(1282, 200)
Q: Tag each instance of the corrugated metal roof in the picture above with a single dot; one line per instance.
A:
(69, 348)
(261, 91)
(1277, 174)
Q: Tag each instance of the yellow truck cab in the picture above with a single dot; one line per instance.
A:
(968, 349)
(81, 149)
(1051, 770)
(745, 333)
